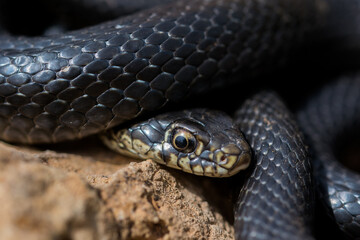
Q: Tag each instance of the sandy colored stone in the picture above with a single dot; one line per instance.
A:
(81, 190)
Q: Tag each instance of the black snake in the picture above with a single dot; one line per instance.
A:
(70, 85)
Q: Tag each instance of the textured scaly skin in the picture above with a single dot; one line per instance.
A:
(331, 121)
(276, 200)
(69, 86)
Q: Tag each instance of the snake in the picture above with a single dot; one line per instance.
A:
(69, 85)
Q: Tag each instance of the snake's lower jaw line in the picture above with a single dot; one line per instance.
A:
(229, 166)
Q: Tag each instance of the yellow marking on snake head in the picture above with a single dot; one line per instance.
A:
(219, 157)
(126, 140)
(221, 172)
(199, 148)
(230, 161)
(198, 170)
(155, 153)
(172, 162)
(209, 170)
(140, 147)
(185, 164)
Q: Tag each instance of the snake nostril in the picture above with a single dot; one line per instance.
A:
(223, 158)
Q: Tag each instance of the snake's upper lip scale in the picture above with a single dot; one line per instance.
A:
(206, 167)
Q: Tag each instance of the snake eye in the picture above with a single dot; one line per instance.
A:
(183, 140)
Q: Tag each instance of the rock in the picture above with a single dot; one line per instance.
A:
(82, 190)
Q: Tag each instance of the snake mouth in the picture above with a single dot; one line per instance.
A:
(221, 163)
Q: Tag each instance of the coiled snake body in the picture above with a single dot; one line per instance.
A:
(68, 86)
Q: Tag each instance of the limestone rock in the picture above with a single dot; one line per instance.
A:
(82, 190)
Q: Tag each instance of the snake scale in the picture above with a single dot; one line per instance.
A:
(70, 85)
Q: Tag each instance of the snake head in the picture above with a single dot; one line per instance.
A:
(198, 141)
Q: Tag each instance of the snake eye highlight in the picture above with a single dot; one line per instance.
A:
(183, 140)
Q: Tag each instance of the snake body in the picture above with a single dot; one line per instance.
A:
(330, 119)
(279, 188)
(68, 86)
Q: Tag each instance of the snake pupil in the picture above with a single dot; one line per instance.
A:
(181, 142)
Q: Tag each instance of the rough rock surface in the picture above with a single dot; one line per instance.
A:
(82, 190)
